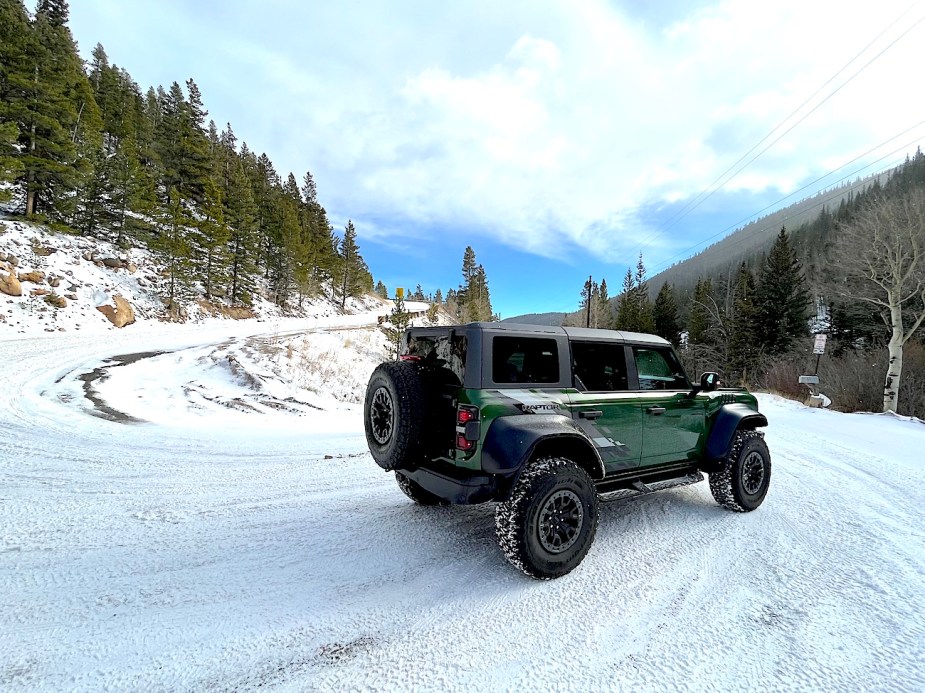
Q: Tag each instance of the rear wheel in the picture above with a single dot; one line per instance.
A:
(741, 484)
(416, 492)
(548, 525)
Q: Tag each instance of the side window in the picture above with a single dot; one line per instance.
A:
(659, 369)
(599, 367)
(524, 360)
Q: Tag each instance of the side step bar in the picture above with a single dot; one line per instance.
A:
(637, 488)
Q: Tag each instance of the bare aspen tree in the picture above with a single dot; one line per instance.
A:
(882, 253)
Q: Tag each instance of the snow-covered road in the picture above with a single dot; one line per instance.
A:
(210, 554)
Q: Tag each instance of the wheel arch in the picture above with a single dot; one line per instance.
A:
(513, 441)
(729, 419)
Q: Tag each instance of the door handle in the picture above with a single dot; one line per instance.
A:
(591, 414)
(655, 411)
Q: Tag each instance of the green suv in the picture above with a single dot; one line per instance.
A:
(546, 421)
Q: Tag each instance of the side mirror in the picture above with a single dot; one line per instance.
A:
(709, 382)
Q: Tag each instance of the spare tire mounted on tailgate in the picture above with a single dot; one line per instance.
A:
(394, 415)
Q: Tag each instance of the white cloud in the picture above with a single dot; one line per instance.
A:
(553, 125)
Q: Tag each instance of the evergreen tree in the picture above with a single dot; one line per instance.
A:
(45, 92)
(381, 290)
(634, 310)
(352, 265)
(210, 238)
(173, 245)
(399, 319)
(240, 213)
(701, 325)
(782, 300)
(438, 297)
(743, 348)
(604, 317)
(665, 315)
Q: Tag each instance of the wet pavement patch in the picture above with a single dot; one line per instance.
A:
(100, 408)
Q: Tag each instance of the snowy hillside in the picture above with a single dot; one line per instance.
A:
(184, 508)
(84, 273)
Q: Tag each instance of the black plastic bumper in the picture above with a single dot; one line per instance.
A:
(455, 487)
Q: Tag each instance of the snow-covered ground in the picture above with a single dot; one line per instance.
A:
(220, 525)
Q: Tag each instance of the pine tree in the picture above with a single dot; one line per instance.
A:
(438, 297)
(240, 212)
(700, 325)
(210, 237)
(743, 348)
(782, 300)
(174, 247)
(381, 290)
(351, 265)
(634, 310)
(604, 319)
(665, 315)
(46, 93)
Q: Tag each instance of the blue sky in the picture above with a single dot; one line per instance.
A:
(557, 139)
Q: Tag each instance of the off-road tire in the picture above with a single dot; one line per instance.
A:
(530, 523)
(742, 482)
(394, 414)
(416, 492)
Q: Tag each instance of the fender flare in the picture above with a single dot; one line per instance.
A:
(729, 419)
(511, 442)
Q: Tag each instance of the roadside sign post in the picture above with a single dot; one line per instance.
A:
(819, 349)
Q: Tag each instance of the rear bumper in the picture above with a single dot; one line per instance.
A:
(457, 487)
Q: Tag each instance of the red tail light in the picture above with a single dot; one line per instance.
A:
(466, 414)
(468, 428)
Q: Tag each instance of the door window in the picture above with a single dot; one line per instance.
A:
(659, 369)
(599, 367)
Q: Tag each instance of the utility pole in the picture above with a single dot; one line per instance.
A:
(588, 311)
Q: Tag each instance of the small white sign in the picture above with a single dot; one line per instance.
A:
(819, 346)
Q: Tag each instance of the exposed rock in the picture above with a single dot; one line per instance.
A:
(56, 301)
(112, 262)
(35, 277)
(10, 285)
(13, 260)
(39, 292)
(54, 282)
(43, 251)
(70, 297)
(121, 314)
(131, 268)
(88, 256)
(98, 262)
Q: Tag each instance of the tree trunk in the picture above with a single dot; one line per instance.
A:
(895, 367)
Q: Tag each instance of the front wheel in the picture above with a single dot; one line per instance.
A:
(743, 480)
(548, 524)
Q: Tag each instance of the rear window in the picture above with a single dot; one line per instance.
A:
(443, 351)
(524, 360)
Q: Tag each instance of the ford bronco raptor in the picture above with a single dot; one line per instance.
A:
(547, 420)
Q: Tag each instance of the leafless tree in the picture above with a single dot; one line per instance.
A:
(882, 253)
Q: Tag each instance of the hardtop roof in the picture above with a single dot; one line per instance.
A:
(573, 333)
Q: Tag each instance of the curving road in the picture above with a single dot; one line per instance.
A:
(141, 556)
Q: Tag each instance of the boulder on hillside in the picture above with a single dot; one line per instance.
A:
(35, 277)
(112, 262)
(56, 301)
(120, 313)
(39, 292)
(10, 285)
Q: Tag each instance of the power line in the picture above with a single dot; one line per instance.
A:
(712, 189)
(665, 263)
